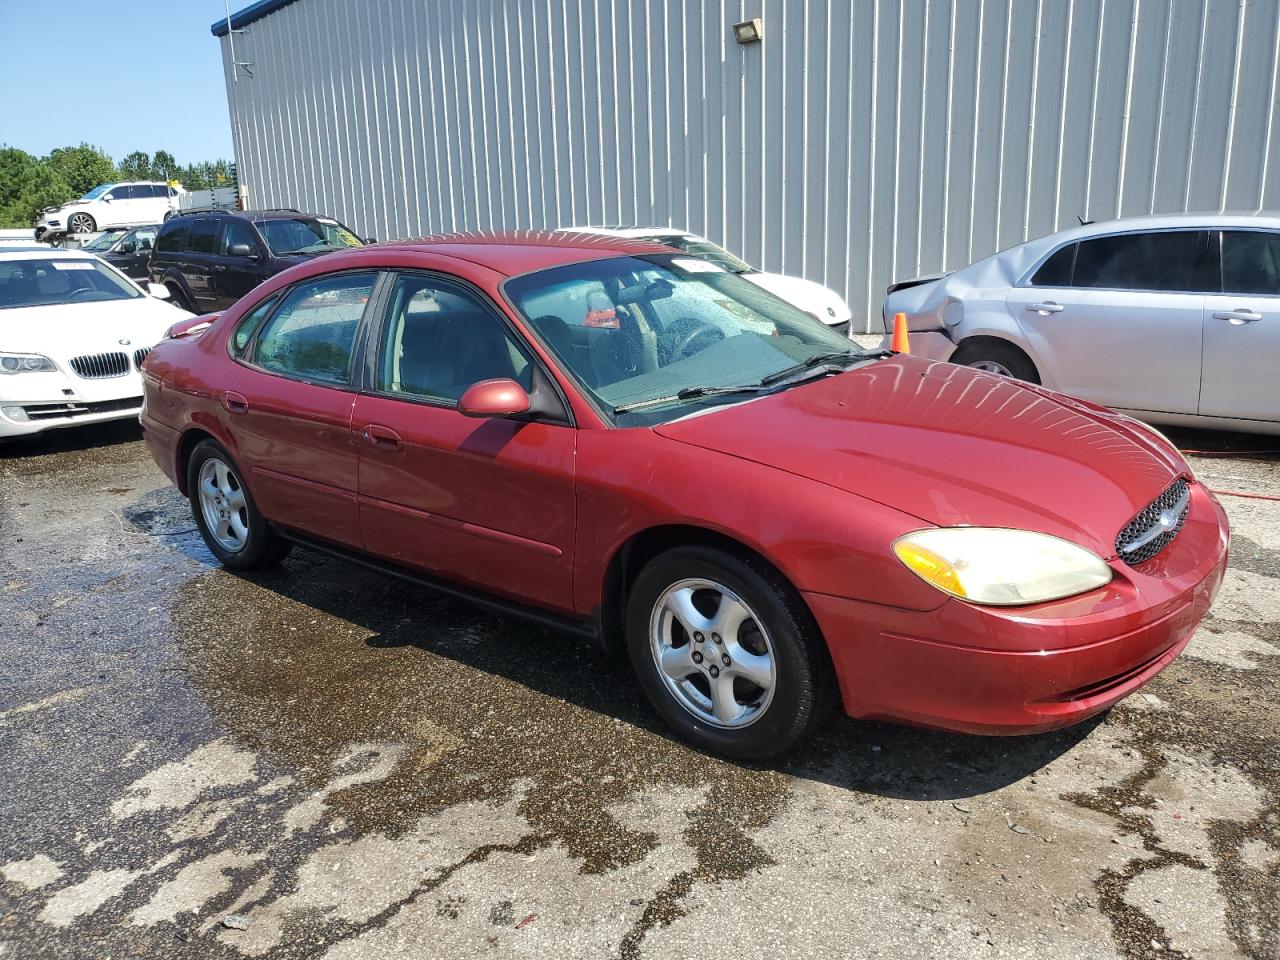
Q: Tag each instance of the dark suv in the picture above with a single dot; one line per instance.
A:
(209, 259)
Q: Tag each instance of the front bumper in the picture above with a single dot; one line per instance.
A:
(20, 420)
(35, 402)
(1013, 670)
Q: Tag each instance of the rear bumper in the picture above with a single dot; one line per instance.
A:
(163, 442)
(1017, 670)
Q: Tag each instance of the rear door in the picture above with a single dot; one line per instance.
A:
(1242, 329)
(487, 502)
(288, 403)
(201, 261)
(1117, 319)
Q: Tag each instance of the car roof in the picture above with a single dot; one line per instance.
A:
(629, 231)
(8, 252)
(520, 251)
(280, 213)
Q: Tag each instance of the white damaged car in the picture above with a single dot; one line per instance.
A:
(821, 303)
(73, 334)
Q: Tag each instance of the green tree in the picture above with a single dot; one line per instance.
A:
(137, 166)
(165, 167)
(27, 186)
(82, 167)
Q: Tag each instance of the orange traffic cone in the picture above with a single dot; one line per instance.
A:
(900, 343)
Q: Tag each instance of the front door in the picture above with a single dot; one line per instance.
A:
(235, 271)
(487, 502)
(1117, 319)
(289, 405)
(1242, 330)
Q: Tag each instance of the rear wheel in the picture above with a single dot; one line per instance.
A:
(997, 357)
(726, 652)
(232, 527)
(81, 223)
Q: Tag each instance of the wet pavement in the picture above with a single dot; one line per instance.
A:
(319, 762)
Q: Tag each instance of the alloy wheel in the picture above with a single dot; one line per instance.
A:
(992, 366)
(81, 223)
(222, 502)
(712, 653)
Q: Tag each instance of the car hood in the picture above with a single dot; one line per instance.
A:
(72, 329)
(952, 446)
(823, 302)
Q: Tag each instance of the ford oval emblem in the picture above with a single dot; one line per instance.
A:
(124, 343)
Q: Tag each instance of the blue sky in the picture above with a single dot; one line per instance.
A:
(122, 75)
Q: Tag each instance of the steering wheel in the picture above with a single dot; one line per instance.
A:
(82, 291)
(687, 336)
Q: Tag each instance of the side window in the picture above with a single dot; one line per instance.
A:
(131, 193)
(144, 239)
(173, 238)
(243, 332)
(157, 191)
(1165, 260)
(313, 334)
(1057, 270)
(440, 339)
(1251, 262)
(172, 192)
(237, 231)
(204, 235)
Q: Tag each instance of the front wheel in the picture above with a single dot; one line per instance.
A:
(1003, 359)
(726, 652)
(81, 223)
(232, 527)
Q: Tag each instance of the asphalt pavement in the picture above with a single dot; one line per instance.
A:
(320, 762)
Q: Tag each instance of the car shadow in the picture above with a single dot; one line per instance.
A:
(870, 757)
(81, 438)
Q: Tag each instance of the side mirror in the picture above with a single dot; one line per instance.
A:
(128, 247)
(494, 398)
(369, 240)
(240, 250)
(158, 290)
(108, 198)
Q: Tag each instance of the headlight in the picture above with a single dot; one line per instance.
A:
(1000, 567)
(25, 363)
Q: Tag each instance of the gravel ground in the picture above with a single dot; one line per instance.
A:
(319, 762)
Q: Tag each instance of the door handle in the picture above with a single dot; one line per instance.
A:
(1046, 308)
(218, 267)
(1239, 315)
(235, 402)
(384, 438)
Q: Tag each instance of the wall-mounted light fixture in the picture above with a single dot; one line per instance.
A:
(749, 31)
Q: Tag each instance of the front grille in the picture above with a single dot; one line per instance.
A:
(1155, 527)
(139, 355)
(100, 366)
(58, 411)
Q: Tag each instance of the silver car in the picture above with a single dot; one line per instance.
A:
(1172, 319)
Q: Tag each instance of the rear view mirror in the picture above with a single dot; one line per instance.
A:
(240, 250)
(494, 398)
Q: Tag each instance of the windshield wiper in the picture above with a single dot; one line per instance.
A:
(691, 393)
(817, 360)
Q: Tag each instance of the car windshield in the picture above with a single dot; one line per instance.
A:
(47, 281)
(104, 241)
(97, 191)
(703, 250)
(306, 235)
(647, 335)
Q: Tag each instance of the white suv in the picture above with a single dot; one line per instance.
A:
(110, 205)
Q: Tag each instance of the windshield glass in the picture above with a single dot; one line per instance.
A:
(703, 250)
(639, 331)
(306, 235)
(104, 241)
(46, 281)
(97, 191)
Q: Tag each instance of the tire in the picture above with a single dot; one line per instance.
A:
(777, 643)
(233, 528)
(167, 215)
(997, 357)
(179, 299)
(81, 223)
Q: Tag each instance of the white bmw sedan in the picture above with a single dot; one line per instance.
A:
(73, 334)
(1172, 319)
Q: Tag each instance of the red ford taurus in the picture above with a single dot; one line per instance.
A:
(642, 447)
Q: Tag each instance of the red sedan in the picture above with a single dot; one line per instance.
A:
(645, 448)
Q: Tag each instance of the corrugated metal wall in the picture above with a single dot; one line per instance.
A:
(863, 141)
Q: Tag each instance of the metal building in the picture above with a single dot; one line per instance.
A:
(860, 141)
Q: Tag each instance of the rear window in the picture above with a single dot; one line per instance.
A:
(173, 237)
